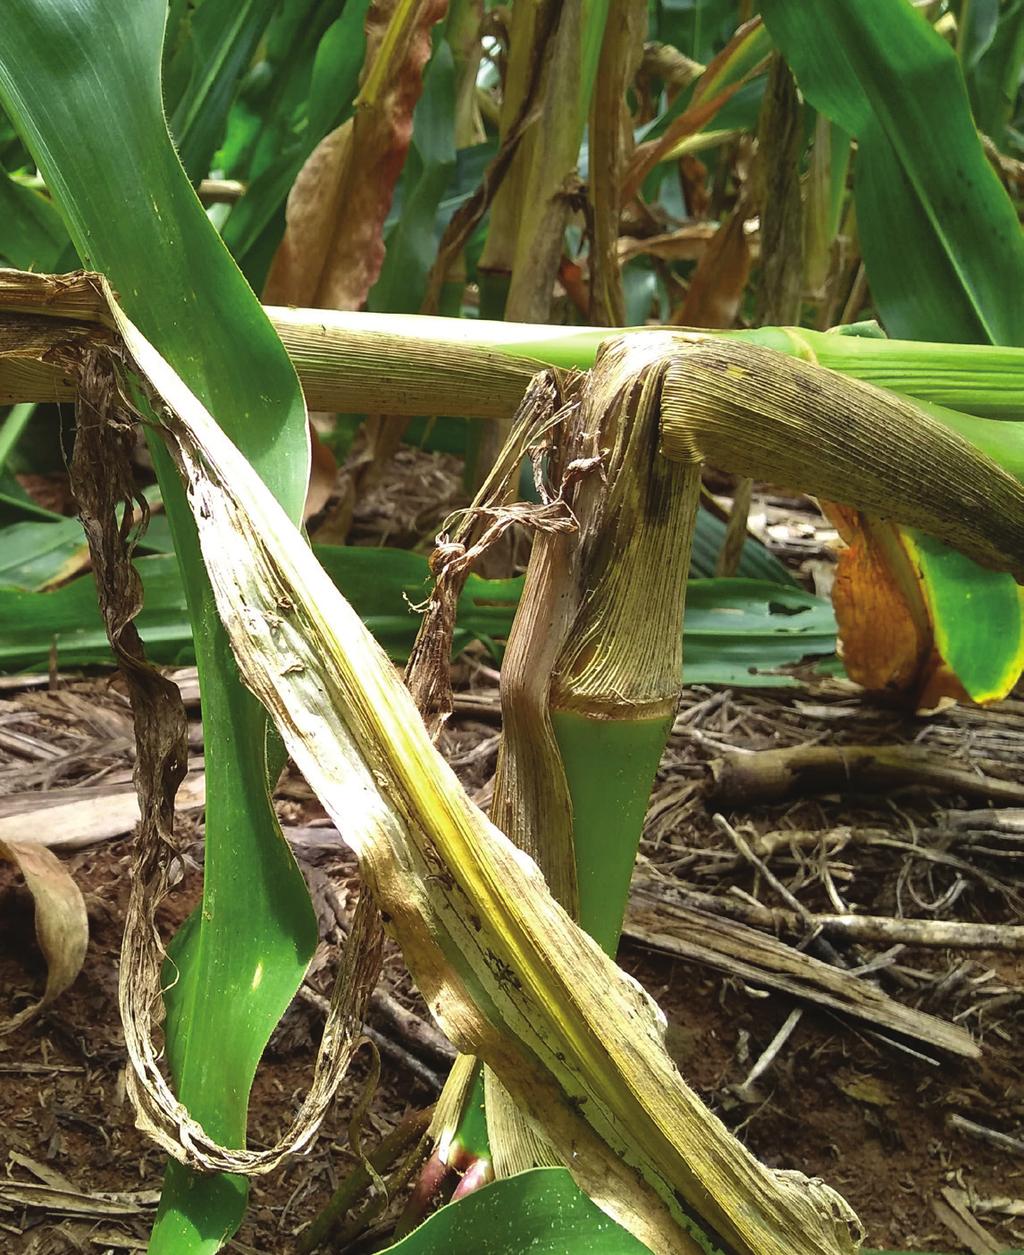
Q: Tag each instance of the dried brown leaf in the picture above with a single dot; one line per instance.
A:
(323, 473)
(62, 927)
(716, 289)
(333, 247)
(313, 209)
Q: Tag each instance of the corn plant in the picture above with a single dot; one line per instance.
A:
(497, 916)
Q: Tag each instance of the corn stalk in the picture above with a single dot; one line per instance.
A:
(414, 364)
(504, 969)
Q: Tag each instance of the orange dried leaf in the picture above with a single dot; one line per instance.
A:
(885, 630)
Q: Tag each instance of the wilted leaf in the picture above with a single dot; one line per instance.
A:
(884, 629)
(333, 247)
(62, 927)
(314, 206)
(718, 283)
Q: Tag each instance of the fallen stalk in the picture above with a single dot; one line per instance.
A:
(503, 969)
(769, 776)
(871, 929)
(411, 364)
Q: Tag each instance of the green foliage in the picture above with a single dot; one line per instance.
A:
(940, 237)
(542, 1211)
(32, 236)
(301, 88)
(81, 81)
(250, 87)
(205, 53)
(738, 631)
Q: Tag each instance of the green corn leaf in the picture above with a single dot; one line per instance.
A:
(738, 631)
(220, 39)
(994, 67)
(978, 623)
(80, 79)
(977, 22)
(12, 428)
(941, 240)
(304, 87)
(756, 562)
(16, 505)
(34, 555)
(32, 236)
(543, 1212)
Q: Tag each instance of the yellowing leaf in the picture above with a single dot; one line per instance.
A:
(503, 968)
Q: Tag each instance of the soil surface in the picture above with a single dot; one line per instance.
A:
(836, 1101)
(927, 1146)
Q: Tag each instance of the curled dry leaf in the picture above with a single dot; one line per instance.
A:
(102, 476)
(313, 209)
(883, 623)
(62, 927)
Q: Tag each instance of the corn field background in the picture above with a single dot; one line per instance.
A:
(511, 630)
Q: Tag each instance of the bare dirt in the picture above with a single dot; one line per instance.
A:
(836, 1102)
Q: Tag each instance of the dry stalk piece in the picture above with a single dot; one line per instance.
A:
(592, 671)
(768, 1056)
(769, 776)
(702, 935)
(1009, 820)
(870, 929)
(473, 532)
(402, 1143)
(610, 146)
(1002, 1141)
